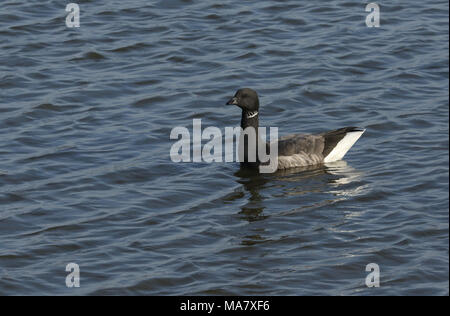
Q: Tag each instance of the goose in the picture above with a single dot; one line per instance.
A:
(297, 150)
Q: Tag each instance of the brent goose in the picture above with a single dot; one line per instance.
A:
(296, 150)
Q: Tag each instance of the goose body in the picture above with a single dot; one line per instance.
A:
(297, 150)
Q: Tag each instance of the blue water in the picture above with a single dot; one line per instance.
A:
(86, 177)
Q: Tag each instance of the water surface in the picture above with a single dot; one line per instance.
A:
(86, 177)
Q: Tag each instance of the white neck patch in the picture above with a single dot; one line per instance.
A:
(252, 114)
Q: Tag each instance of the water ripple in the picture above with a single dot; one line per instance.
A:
(86, 177)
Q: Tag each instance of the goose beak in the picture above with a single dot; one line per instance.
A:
(233, 101)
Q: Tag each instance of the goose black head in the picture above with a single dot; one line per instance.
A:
(246, 99)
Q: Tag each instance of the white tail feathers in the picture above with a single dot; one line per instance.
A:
(343, 146)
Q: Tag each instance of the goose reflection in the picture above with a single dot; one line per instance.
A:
(335, 178)
(291, 191)
(253, 182)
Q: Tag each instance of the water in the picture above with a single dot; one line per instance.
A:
(85, 173)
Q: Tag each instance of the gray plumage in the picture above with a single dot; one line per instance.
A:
(301, 150)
